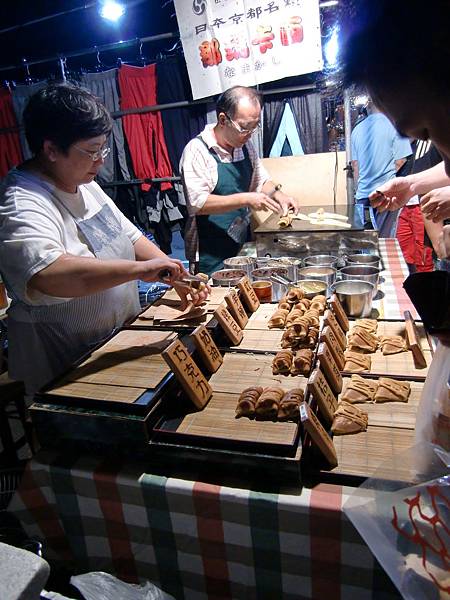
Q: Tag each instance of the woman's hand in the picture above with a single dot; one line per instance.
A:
(392, 195)
(166, 270)
(191, 295)
(436, 204)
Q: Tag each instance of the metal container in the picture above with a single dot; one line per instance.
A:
(321, 260)
(312, 287)
(327, 274)
(246, 263)
(291, 263)
(372, 260)
(227, 277)
(265, 273)
(362, 273)
(355, 296)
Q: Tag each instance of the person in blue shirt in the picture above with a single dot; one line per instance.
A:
(378, 151)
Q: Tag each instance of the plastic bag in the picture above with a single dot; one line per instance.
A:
(103, 586)
(406, 525)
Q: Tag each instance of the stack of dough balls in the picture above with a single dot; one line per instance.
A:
(269, 403)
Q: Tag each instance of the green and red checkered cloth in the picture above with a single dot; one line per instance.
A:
(197, 540)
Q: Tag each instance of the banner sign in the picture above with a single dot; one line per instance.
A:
(246, 42)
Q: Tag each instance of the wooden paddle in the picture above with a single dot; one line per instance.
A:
(413, 341)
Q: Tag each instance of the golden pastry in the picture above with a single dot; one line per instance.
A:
(305, 303)
(294, 316)
(288, 408)
(301, 363)
(282, 362)
(286, 220)
(312, 337)
(295, 295)
(349, 419)
(362, 339)
(247, 401)
(355, 361)
(392, 344)
(284, 305)
(359, 389)
(392, 390)
(268, 403)
(367, 324)
(278, 319)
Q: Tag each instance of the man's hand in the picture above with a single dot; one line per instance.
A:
(196, 297)
(392, 195)
(287, 203)
(166, 269)
(436, 204)
(444, 243)
(261, 201)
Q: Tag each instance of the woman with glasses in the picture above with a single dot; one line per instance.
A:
(69, 258)
(223, 178)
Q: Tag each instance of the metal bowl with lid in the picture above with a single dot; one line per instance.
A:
(227, 277)
(291, 263)
(246, 263)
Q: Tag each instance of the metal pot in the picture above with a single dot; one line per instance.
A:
(312, 287)
(246, 263)
(362, 273)
(227, 277)
(265, 274)
(372, 260)
(327, 274)
(321, 260)
(290, 263)
(355, 296)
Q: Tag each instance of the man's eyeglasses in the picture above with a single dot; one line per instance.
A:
(95, 156)
(242, 130)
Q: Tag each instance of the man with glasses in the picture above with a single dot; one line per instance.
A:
(223, 178)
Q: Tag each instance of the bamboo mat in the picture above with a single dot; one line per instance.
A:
(261, 316)
(400, 415)
(363, 453)
(155, 341)
(217, 420)
(258, 339)
(92, 391)
(240, 371)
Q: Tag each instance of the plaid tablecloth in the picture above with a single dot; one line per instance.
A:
(197, 540)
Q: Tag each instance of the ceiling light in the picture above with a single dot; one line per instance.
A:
(328, 3)
(112, 11)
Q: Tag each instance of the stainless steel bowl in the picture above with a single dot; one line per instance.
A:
(227, 277)
(327, 274)
(321, 260)
(372, 260)
(290, 263)
(312, 287)
(246, 263)
(362, 273)
(265, 273)
(355, 296)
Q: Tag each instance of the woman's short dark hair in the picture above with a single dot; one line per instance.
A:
(64, 114)
(228, 101)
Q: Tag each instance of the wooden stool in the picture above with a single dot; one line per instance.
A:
(12, 406)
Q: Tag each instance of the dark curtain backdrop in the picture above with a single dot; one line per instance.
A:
(273, 112)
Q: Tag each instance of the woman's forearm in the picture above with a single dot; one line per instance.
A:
(428, 180)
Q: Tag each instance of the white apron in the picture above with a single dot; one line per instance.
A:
(43, 341)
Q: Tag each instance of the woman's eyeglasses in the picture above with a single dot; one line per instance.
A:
(95, 156)
(242, 130)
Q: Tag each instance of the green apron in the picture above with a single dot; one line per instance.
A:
(214, 243)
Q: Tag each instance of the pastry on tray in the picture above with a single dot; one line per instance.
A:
(362, 339)
(319, 302)
(268, 403)
(359, 389)
(356, 361)
(301, 363)
(294, 295)
(294, 316)
(392, 390)
(282, 362)
(312, 337)
(284, 305)
(392, 344)
(278, 319)
(288, 408)
(349, 419)
(367, 324)
(304, 303)
(247, 401)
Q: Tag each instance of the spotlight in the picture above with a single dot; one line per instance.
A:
(361, 100)
(332, 48)
(111, 11)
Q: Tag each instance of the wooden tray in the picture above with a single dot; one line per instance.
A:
(260, 340)
(399, 365)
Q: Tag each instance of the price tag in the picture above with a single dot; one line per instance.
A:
(236, 309)
(334, 346)
(318, 434)
(330, 368)
(207, 348)
(339, 312)
(330, 320)
(229, 325)
(323, 395)
(188, 374)
(248, 294)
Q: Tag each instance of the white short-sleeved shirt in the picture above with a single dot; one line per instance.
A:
(199, 168)
(36, 228)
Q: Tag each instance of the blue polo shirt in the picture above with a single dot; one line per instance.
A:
(376, 146)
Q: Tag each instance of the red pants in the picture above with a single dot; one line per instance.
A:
(144, 132)
(10, 150)
(410, 235)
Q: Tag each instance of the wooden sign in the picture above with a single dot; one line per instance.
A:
(330, 368)
(339, 312)
(207, 348)
(413, 341)
(229, 325)
(318, 434)
(330, 320)
(236, 309)
(188, 374)
(323, 395)
(248, 294)
(328, 336)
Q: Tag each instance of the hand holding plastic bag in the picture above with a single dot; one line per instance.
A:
(103, 586)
